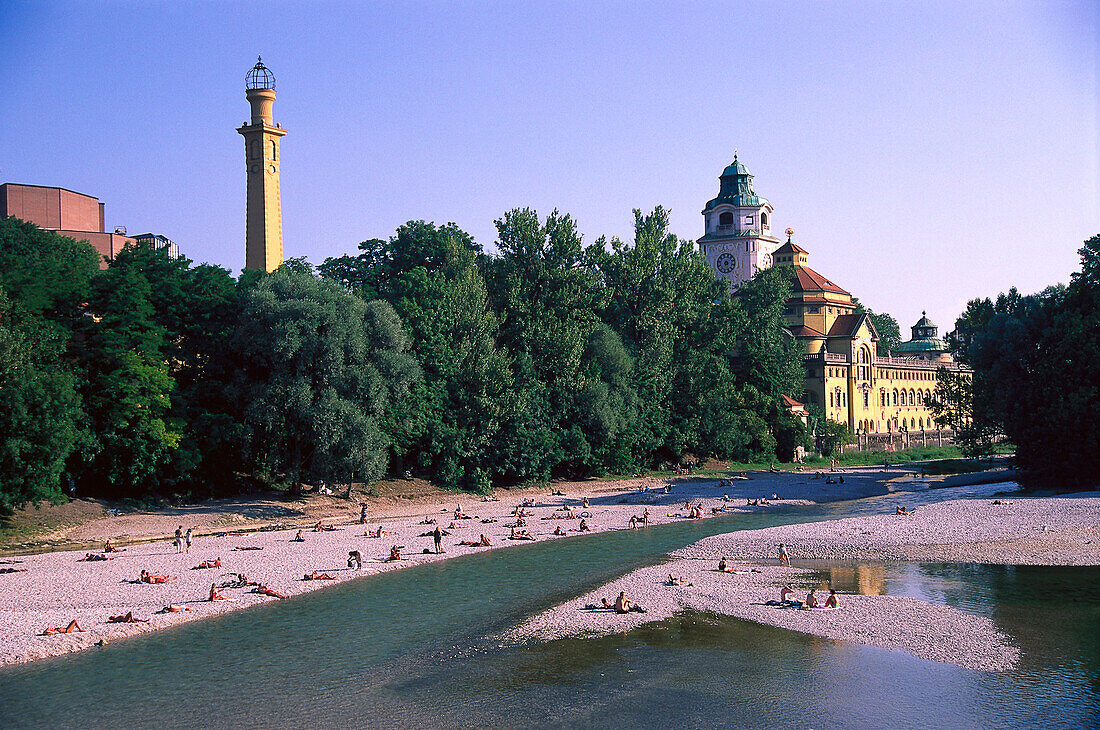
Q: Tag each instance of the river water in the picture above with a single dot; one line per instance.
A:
(416, 647)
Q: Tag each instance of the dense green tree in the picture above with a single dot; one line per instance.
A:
(127, 386)
(39, 418)
(318, 371)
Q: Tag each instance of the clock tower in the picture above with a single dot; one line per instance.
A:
(263, 205)
(737, 240)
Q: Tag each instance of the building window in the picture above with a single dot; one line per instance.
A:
(763, 219)
(274, 151)
(813, 310)
(866, 400)
(748, 220)
(725, 219)
(895, 397)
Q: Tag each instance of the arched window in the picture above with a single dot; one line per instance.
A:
(920, 398)
(274, 150)
(831, 399)
(763, 219)
(725, 219)
(882, 397)
(895, 397)
(912, 397)
(254, 149)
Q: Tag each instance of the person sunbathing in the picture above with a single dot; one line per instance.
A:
(584, 503)
(322, 527)
(558, 531)
(379, 532)
(583, 527)
(623, 605)
(93, 558)
(73, 627)
(12, 570)
(298, 537)
(174, 608)
(355, 559)
(901, 511)
(395, 552)
(126, 618)
(675, 580)
(460, 515)
(831, 602)
(318, 575)
(456, 526)
(216, 596)
(785, 595)
(248, 547)
(109, 548)
(520, 535)
(724, 567)
(428, 521)
(204, 565)
(811, 599)
(147, 577)
(265, 591)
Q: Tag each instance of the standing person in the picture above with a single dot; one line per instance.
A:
(363, 514)
(187, 538)
(784, 557)
(437, 536)
(178, 542)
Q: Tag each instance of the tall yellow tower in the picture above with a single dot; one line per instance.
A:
(262, 140)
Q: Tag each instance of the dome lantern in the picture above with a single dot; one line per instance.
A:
(260, 77)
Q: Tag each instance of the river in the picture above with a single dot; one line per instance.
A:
(417, 647)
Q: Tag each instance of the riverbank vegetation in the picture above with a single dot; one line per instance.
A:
(1036, 380)
(420, 354)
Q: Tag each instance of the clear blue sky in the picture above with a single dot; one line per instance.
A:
(924, 153)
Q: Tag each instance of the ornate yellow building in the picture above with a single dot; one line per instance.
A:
(844, 375)
(263, 203)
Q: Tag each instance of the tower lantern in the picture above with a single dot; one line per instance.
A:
(263, 204)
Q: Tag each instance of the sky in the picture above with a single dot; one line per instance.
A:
(924, 153)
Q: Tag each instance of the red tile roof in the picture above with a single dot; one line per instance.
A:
(809, 280)
(789, 247)
(801, 330)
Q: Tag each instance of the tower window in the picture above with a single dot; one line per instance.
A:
(274, 151)
(748, 220)
(725, 219)
(763, 219)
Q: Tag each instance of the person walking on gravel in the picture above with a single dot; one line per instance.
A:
(178, 542)
(187, 538)
(437, 536)
(784, 557)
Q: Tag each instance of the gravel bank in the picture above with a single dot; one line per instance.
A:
(926, 630)
(1019, 531)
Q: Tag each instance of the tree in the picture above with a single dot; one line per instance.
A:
(318, 371)
(39, 419)
(127, 386)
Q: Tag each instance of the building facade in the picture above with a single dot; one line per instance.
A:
(844, 374)
(263, 201)
(66, 212)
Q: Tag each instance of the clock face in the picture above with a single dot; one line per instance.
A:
(726, 263)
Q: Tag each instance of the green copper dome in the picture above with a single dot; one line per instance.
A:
(736, 188)
(926, 338)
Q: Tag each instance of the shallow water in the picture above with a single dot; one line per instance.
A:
(416, 647)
